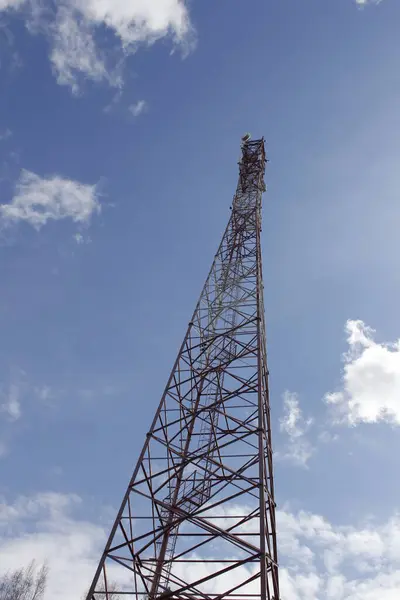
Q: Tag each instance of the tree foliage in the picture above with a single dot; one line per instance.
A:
(27, 583)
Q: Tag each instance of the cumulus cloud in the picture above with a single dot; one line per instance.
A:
(369, 555)
(138, 108)
(298, 448)
(82, 33)
(38, 200)
(138, 21)
(318, 559)
(370, 390)
(43, 527)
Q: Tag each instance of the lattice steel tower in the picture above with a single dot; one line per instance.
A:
(197, 521)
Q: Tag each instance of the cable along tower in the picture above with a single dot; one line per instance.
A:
(197, 521)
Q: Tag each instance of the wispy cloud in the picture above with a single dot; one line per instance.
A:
(7, 133)
(326, 437)
(81, 239)
(38, 200)
(298, 449)
(71, 28)
(370, 390)
(11, 402)
(114, 101)
(138, 108)
(74, 52)
(8, 4)
(363, 3)
(11, 396)
(45, 394)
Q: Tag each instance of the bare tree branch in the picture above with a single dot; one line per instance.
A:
(112, 593)
(24, 583)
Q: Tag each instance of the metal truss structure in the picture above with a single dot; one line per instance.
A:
(197, 521)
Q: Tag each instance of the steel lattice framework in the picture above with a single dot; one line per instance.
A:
(197, 521)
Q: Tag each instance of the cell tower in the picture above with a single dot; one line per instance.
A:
(197, 521)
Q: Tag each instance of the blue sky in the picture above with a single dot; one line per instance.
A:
(124, 121)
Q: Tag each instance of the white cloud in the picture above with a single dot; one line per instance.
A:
(138, 108)
(11, 402)
(75, 29)
(298, 449)
(74, 51)
(370, 389)
(318, 559)
(79, 33)
(42, 527)
(365, 2)
(369, 555)
(38, 200)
